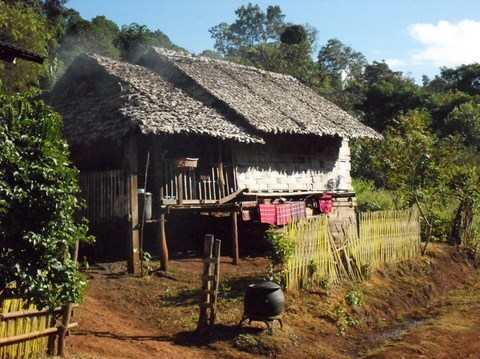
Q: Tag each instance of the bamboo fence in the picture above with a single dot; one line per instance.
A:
(313, 256)
(385, 237)
(18, 318)
(378, 238)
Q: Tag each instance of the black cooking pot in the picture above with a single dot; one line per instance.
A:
(264, 300)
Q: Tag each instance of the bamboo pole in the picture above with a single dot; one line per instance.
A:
(236, 250)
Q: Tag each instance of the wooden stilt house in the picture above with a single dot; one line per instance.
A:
(203, 136)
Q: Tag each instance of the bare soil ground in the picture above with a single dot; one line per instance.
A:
(427, 308)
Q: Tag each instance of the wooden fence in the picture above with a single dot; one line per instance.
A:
(106, 195)
(378, 238)
(26, 332)
(385, 237)
(313, 257)
(14, 326)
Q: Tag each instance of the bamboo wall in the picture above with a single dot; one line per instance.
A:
(380, 238)
(106, 195)
(18, 325)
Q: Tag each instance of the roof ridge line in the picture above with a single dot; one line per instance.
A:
(198, 58)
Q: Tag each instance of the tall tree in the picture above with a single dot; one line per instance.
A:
(465, 78)
(252, 27)
(341, 63)
(386, 95)
(97, 36)
(134, 38)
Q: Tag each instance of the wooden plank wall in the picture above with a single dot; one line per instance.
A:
(106, 195)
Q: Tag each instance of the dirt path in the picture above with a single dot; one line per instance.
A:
(452, 332)
(114, 335)
(427, 308)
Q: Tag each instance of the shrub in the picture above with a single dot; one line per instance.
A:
(38, 204)
(371, 199)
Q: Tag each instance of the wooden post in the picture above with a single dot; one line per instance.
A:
(235, 248)
(216, 281)
(133, 230)
(210, 283)
(131, 168)
(144, 211)
(205, 294)
(66, 313)
(62, 330)
(221, 175)
(53, 336)
(158, 168)
(179, 186)
(163, 244)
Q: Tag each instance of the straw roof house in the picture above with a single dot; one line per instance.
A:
(211, 136)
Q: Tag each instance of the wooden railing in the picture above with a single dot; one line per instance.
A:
(196, 185)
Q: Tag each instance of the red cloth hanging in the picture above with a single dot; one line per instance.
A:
(268, 213)
(326, 203)
(284, 213)
(298, 210)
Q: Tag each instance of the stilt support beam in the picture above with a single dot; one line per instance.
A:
(235, 248)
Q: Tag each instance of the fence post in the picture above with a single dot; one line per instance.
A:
(133, 235)
(66, 313)
(210, 282)
(216, 281)
(235, 247)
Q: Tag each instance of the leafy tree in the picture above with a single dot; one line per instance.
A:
(284, 58)
(441, 104)
(386, 95)
(252, 27)
(464, 120)
(293, 35)
(38, 205)
(134, 38)
(25, 27)
(341, 63)
(97, 36)
(465, 78)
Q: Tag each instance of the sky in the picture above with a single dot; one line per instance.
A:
(413, 36)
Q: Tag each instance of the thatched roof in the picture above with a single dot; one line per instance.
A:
(269, 102)
(102, 98)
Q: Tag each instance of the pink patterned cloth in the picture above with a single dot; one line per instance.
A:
(298, 210)
(326, 203)
(268, 213)
(284, 213)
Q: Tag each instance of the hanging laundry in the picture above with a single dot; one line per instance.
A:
(268, 213)
(326, 203)
(298, 210)
(284, 213)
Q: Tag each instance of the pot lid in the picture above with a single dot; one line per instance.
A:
(266, 284)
